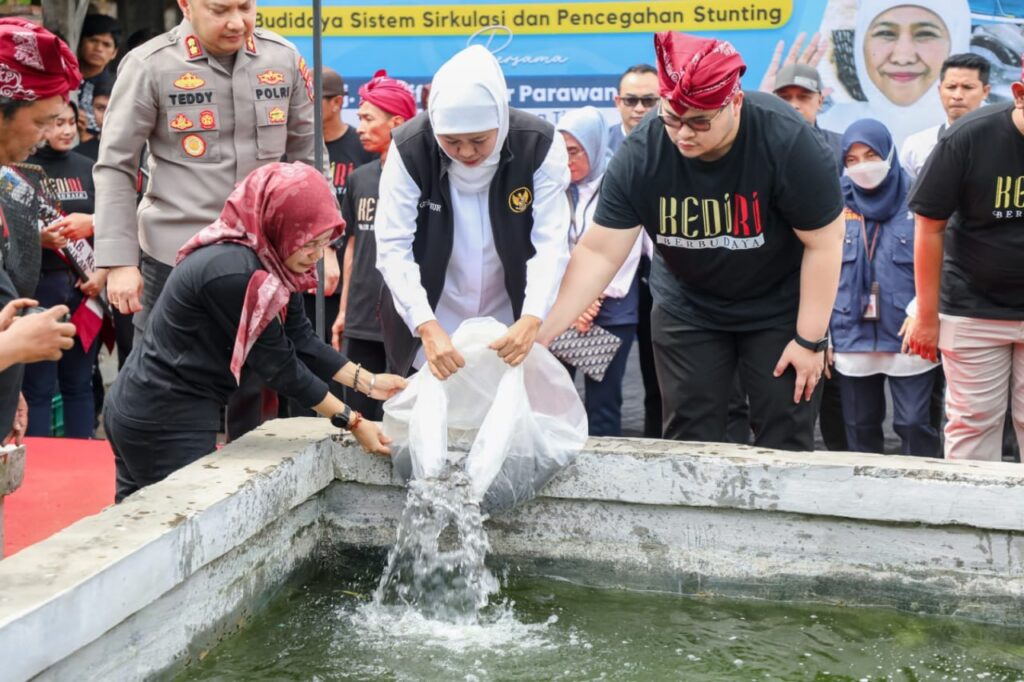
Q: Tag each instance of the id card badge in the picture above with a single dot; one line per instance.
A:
(871, 310)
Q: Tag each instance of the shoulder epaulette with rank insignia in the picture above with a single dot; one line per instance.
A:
(193, 50)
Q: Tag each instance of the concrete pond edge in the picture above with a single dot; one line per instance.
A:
(134, 590)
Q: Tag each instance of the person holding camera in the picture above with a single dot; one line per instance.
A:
(38, 71)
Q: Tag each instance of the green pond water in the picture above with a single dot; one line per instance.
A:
(541, 627)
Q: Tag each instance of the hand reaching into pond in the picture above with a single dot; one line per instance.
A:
(371, 438)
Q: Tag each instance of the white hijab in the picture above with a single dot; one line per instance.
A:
(927, 111)
(588, 127)
(469, 95)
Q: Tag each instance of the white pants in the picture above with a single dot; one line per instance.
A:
(982, 359)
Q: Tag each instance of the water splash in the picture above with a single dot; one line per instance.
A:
(435, 597)
(436, 567)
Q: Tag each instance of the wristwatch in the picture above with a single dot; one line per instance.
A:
(816, 346)
(342, 419)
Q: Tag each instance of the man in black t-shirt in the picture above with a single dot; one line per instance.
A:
(743, 203)
(973, 182)
(385, 104)
(97, 48)
(344, 154)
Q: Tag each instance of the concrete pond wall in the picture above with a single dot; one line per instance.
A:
(145, 587)
(12, 473)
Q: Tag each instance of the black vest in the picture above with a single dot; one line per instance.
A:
(510, 206)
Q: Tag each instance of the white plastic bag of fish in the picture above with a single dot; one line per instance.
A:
(510, 428)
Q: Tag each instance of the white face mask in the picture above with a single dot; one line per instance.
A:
(870, 174)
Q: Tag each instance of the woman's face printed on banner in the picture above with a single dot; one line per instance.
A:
(904, 50)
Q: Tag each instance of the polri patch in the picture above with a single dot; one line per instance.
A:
(207, 121)
(276, 115)
(520, 199)
(194, 146)
(189, 81)
(182, 122)
(270, 77)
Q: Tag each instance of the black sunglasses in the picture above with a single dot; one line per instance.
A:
(632, 100)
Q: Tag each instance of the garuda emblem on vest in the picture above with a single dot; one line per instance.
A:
(520, 199)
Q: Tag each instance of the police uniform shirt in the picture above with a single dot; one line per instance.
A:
(208, 126)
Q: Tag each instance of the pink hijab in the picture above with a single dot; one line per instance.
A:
(274, 211)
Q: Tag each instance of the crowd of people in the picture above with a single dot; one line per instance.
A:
(771, 273)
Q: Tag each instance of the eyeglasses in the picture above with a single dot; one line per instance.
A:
(316, 245)
(698, 124)
(632, 100)
(574, 152)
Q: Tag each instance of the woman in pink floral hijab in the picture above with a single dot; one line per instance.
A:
(233, 303)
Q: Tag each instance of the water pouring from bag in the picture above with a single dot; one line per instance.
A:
(485, 440)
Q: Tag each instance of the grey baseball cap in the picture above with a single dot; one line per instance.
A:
(332, 83)
(801, 75)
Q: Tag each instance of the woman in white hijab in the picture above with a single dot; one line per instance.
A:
(898, 52)
(471, 219)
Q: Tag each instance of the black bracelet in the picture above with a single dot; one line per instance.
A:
(816, 346)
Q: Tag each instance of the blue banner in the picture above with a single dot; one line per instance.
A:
(876, 57)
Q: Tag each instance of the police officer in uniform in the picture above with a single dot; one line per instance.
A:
(214, 98)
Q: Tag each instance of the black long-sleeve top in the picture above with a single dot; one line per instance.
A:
(180, 375)
(69, 181)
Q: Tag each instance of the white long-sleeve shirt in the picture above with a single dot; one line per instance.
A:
(475, 279)
(585, 207)
(917, 148)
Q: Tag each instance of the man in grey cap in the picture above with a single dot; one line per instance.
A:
(800, 85)
(343, 146)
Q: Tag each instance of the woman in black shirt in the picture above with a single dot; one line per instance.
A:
(234, 300)
(68, 183)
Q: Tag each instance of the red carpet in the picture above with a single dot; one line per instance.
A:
(65, 480)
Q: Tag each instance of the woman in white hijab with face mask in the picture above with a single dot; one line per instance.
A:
(471, 219)
(898, 50)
